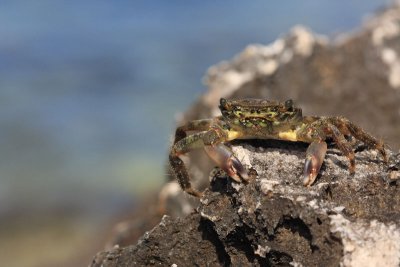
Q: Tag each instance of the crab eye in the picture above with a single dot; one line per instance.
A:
(289, 104)
(222, 102)
(225, 113)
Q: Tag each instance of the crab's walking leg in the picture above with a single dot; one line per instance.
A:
(314, 158)
(343, 145)
(360, 134)
(196, 125)
(182, 175)
(178, 167)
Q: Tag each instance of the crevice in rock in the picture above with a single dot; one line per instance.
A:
(239, 239)
(278, 258)
(296, 225)
(222, 184)
(208, 233)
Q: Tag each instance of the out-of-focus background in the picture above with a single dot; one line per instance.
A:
(89, 91)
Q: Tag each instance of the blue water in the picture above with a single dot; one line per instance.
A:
(89, 89)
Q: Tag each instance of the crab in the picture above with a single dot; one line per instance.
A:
(264, 119)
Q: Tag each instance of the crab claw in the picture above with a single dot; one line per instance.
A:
(314, 157)
(227, 161)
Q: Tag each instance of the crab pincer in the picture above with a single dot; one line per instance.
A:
(227, 161)
(314, 158)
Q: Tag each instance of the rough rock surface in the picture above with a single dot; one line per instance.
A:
(274, 220)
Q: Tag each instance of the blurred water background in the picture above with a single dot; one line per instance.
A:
(88, 95)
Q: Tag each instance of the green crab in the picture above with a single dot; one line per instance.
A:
(263, 119)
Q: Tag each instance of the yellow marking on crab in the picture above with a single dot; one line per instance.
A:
(232, 135)
(290, 135)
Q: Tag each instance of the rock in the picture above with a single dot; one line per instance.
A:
(275, 220)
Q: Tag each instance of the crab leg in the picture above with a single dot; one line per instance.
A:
(221, 154)
(348, 127)
(196, 125)
(227, 161)
(314, 157)
(178, 167)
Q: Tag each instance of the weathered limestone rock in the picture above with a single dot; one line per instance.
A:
(275, 220)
